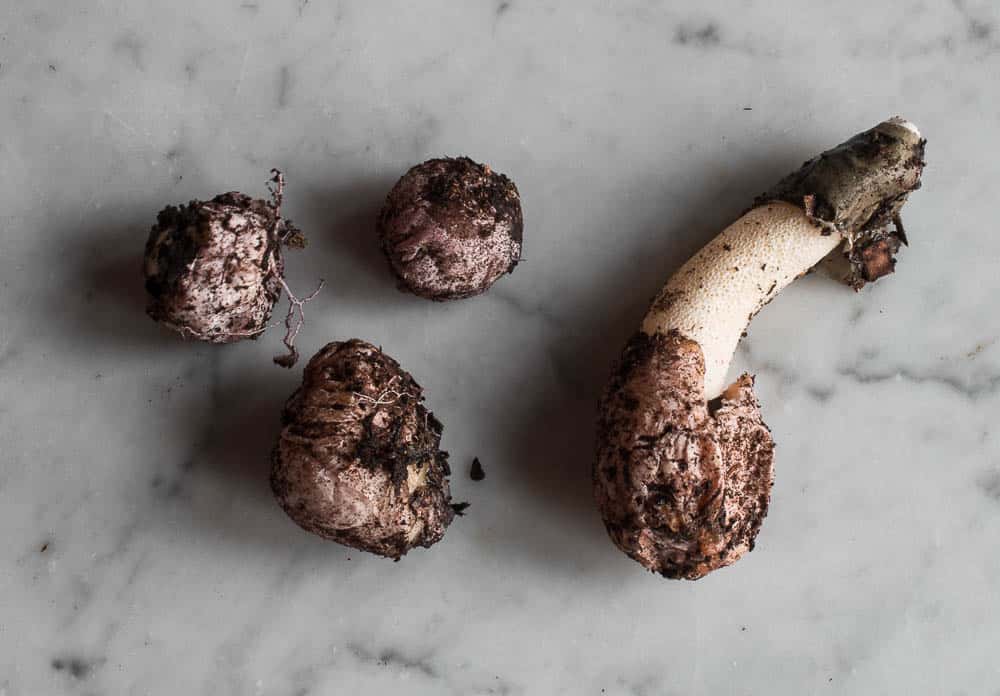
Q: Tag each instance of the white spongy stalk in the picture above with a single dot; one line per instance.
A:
(712, 298)
(908, 125)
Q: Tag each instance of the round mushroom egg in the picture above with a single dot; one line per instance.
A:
(213, 268)
(358, 459)
(450, 228)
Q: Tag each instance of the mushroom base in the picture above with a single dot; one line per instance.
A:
(683, 485)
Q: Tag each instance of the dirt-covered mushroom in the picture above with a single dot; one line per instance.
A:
(450, 228)
(215, 269)
(358, 459)
(684, 463)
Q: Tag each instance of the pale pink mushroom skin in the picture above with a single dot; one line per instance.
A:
(358, 459)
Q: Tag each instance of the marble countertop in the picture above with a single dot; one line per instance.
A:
(142, 551)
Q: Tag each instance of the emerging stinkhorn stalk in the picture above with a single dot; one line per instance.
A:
(684, 463)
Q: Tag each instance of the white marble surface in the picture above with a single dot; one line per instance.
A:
(142, 552)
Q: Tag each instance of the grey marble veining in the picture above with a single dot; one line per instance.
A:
(143, 554)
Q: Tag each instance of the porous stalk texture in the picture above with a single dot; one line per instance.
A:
(712, 298)
(450, 228)
(850, 195)
(358, 460)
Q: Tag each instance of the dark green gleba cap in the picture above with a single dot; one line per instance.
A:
(857, 189)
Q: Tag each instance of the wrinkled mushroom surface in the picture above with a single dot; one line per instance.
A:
(358, 459)
(213, 268)
(683, 487)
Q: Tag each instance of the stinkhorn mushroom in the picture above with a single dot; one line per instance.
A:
(450, 228)
(683, 472)
(358, 460)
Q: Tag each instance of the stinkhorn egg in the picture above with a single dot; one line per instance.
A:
(358, 459)
(214, 269)
(450, 228)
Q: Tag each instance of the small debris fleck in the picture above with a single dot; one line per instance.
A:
(748, 108)
(45, 547)
(460, 508)
(52, 67)
(980, 347)
(706, 35)
(77, 668)
(477, 473)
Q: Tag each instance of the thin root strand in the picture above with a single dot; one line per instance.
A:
(294, 320)
(286, 233)
(384, 397)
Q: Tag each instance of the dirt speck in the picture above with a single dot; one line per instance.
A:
(476, 472)
(76, 667)
(702, 36)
